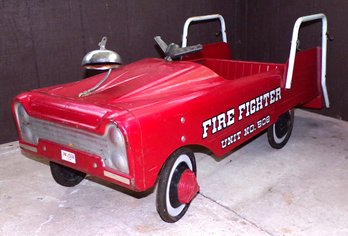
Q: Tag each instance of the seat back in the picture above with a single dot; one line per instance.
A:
(219, 50)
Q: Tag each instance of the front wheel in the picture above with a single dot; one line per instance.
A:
(66, 176)
(177, 185)
(279, 133)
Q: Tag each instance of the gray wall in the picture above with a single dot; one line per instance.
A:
(43, 42)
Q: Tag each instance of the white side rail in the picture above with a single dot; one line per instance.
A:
(294, 39)
(203, 18)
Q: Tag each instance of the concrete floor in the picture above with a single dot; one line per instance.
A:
(301, 189)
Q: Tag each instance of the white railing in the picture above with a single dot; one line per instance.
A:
(203, 18)
(294, 39)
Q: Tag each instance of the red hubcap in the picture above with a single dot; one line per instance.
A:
(187, 187)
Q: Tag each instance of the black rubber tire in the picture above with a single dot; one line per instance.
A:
(279, 133)
(167, 203)
(66, 176)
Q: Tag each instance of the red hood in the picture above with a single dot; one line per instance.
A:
(147, 79)
(139, 85)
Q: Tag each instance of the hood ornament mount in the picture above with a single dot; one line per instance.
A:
(102, 43)
(101, 59)
(89, 91)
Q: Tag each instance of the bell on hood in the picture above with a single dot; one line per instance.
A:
(101, 59)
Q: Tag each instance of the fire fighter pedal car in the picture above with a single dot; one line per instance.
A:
(135, 126)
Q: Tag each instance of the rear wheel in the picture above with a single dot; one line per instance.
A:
(279, 133)
(177, 185)
(66, 176)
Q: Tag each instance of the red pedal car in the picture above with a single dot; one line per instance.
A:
(136, 125)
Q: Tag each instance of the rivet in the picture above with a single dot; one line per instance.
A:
(183, 139)
(182, 120)
(95, 165)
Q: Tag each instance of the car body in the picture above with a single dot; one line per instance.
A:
(145, 112)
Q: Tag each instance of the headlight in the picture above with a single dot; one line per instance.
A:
(24, 125)
(117, 158)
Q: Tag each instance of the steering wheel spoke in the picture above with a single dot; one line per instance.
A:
(173, 51)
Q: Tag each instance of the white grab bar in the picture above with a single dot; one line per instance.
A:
(203, 18)
(294, 39)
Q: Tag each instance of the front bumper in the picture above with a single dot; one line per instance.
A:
(85, 162)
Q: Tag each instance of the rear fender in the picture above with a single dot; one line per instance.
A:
(306, 80)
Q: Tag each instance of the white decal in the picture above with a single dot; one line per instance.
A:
(246, 131)
(263, 122)
(250, 129)
(226, 119)
(218, 122)
(230, 139)
(254, 105)
(206, 124)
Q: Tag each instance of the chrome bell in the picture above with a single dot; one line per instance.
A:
(101, 59)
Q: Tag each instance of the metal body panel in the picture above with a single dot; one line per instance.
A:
(161, 106)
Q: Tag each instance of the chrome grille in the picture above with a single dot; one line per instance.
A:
(70, 137)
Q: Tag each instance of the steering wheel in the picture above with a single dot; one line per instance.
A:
(173, 51)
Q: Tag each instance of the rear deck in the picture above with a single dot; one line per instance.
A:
(231, 69)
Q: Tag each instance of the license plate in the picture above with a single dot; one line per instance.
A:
(68, 156)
